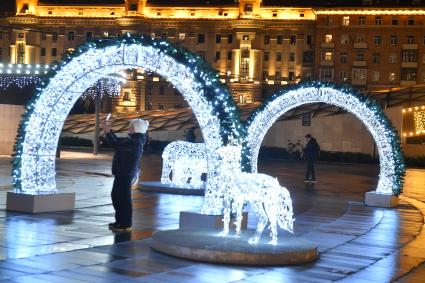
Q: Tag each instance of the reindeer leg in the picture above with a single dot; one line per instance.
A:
(262, 221)
(226, 217)
(239, 216)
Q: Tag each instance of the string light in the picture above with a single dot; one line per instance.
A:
(392, 169)
(38, 133)
(269, 201)
(186, 162)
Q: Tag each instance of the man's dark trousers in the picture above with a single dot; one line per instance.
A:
(310, 170)
(121, 200)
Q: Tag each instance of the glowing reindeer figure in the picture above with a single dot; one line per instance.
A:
(186, 161)
(270, 201)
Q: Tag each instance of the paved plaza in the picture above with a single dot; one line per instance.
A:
(355, 243)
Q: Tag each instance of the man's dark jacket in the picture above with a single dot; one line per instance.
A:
(128, 152)
(311, 150)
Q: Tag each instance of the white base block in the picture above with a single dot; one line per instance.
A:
(22, 202)
(381, 200)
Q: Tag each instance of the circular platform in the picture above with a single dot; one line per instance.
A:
(158, 187)
(205, 245)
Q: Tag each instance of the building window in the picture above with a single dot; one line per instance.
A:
(20, 35)
(308, 57)
(376, 58)
(327, 56)
(163, 36)
(362, 20)
(360, 56)
(291, 76)
(54, 52)
(54, 37)
(248, 8)
(360, 38)
(344, 39)
(43, 52)
(43, 36)
(409, 55)
(161, 90)
(218, 38)
(201, 54)
(278, 76)
(328, 38)
(309, 40)
(245, 37)
(392, 59)
(229, 55)
(230, 38)
(245, 52)
(71, 36)
(293, 39)
(21, 53)
(391, 77)
(410, 39)
(182, 36)
(359, 73)
(244, 69)
(377, 39)
(265, 75)
(375, 76)
(126, 96)
(266, 56)
(201, 38)
(411, 21)
(394, 21)
(133, 7)
(161, 106)
(344, 58)
(346, 20)
(378, 21)
(217, 55)
(408, 74)
(343, 76)
(292, 57)
(326, 73)
(267, 39)
(279, 39)
(89, 35)
(393, 40)
(278, 56)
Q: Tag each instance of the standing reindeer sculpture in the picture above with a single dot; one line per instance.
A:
(270, 201)
(186, 162)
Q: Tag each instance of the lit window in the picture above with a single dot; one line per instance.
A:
(328, 38)
(362, 20)
(346, 20)
(344, 39)
(359, 73)
(328, 56)
(182, 36)
(360, 38)
(378, 21)
(391, 77)
(408, 74)
(375, 76)
(245, 37)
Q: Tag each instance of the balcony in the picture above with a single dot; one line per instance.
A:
(328, 45)
(358, 81)
(360, 45)
(409, 64)
(326, 63)
(407, 83)
(359, 63)
(410, 46)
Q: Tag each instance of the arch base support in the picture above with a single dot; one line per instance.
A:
(373, 198)
(37, 203)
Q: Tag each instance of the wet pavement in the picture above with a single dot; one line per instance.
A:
(356, 243)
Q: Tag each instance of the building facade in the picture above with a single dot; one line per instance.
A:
(256, 46)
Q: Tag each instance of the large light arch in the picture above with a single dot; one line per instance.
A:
(392, 168)
(211, 102)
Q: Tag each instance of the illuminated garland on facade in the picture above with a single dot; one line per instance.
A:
(38, 133)
(392, 168)
(19, 81)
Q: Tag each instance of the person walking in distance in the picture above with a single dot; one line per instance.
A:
(311, 152)
(127, 155)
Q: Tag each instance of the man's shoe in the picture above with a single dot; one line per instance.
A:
(312, 181)
(306, 181)
(120, 229)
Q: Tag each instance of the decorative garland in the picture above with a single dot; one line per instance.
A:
(217, 94)
(392, 174)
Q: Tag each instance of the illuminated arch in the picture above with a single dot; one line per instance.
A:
(392, 168)
(211, 102)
